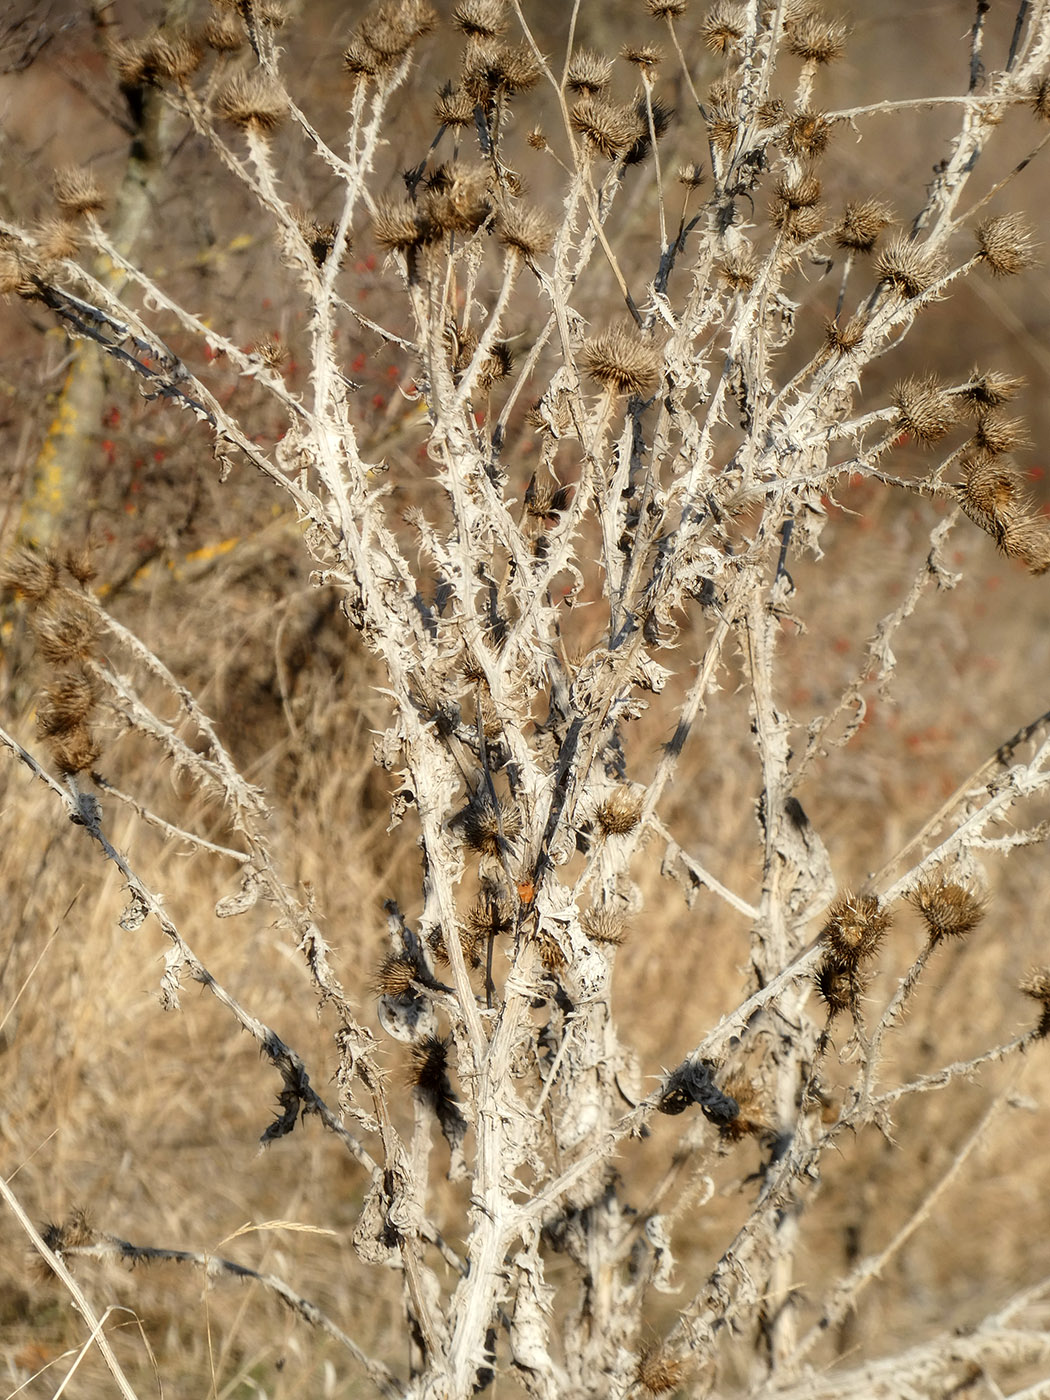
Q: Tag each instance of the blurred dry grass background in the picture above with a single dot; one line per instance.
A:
(150, 1122)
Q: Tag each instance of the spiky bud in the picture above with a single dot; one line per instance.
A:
(644, 56)
(997, 435)
(752, 1117)
(620, 361)
(840, 985)
(397, 225)
(492, 68)
(480, 19)
(395, 976)
(252, 102)
(525, 230)
(910, 268)
(319, 238)
(1028, 541)
(807, 134)
(861, 223)
(666, 9)
(589, 72)
(816, 39)
(991, 389)
(223, 34)
(454, 107)
(991, 494)
(692, 176)
(620, 812)
(948, 909)
(854, 928)
(491, 916)
(607, 129)
(77, 192)
(723, 26)
(1005, 245)
(926, 410)
(1039, 98)
(843, 340)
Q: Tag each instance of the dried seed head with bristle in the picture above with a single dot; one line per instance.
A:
(252, 102)
(1036, 984)
(319, 238)
(991, 493)
(480, 19)
(657, 1372)
(67, 629)
(589, 72)
(990, 389)
(397, 226)
(604, 925)
(840, 985)
(525, 230)
(854, 928)
(667, 9)
(1028, 541)
(948, 909)
(30, 575)
(607, 129)
(56, 239)
(816, 39)
(997, 435)
(486, 825)
(223, 34)
(1039, 98)
(793, 209)
(807, 134)
(752, 1117)
(156, 58)
(491, 916)
(692, 176)
(428, 1069)
(738, 269)
(67, 702)
(493, 69)
(454, 107)
(395, 977)
(620, 361)
(456, 200)
(845, 339)
(723, 26)
(77, 192)
(74, 750)
(861, 223)
(910, 268)
(926, 410)
(1005, 244)
(620, 812)
(644, 56)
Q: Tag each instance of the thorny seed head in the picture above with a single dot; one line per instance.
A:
(840, 985)
(1036, 984)
(56, 239)
(252, 102)
(604, 925)
(816, 39)
(483, 821)
(456, 200)
(845, 339)
(667, 9)
(319, 238)
(74, 750)
(752, 1118)
(799, 225)
(66, 629)
(428, 1069)
(990, 389)
(799, 193)
(491, 916)
(272, 14)
(544, 499)
(661, 116)
(620, 361)
(620, 812)
(692, 176)
(272, 353)
(997, 435)
(77, 192)
(948, 909)
(525, 230)
(926, 410)
(496, 365)
(480, 19)
(30, 575)
(75, 1232)
(223, 34)
(156, 58)
(1028, 541)
(1039, 98)
(552, 955)
(807, 134)
(991, 494)
(397, 225)
(854, 928)
(362, 62)
(657, 1372)
(391, 28)
(644, 56)
(454, 107)
(1005, 244)
(911, 268)
(492, 68)
(79, 564)
(395, 976)
(589, 72)
(738, 268)
(608, 130)
(861, 223)
(66, 703)
(723, 26)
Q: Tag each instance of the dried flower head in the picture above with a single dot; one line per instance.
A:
(845, 339)
(648, 110)
(1036, 984)
(604, 925)
(752, 1117)
(620, 361)
(991, 493)
(807, 134)
(488, 825)
(491, 916)
(608, 130)
(67, 629)
(926, 410)
(620, 812)
(428, 1070)
(525, 230)
(74, 750)
(456, 200)
(454, 107)
(1028, 541)
(66, 703)
(496, 365)
(319, 238)
(840, 985)
(480, 19)
(157, 58)
(77, 192)
(392, 27)
(1005, 244)
(997, 435)
(589, 72)
(79, 563)
(493, 69)
(861, 223)
(395, 976)
(692, 176)
(948, 909)
(910, 268)
(397, 225)
(552, 955)
(644, 56)
(657, 1372)
(854, 928)
(990, 389)
(252, 102)
(1039, 98)
(723, 26)
(56, 239)
(816, 39)
(738, 268)
(30, 575)
(224, 34)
